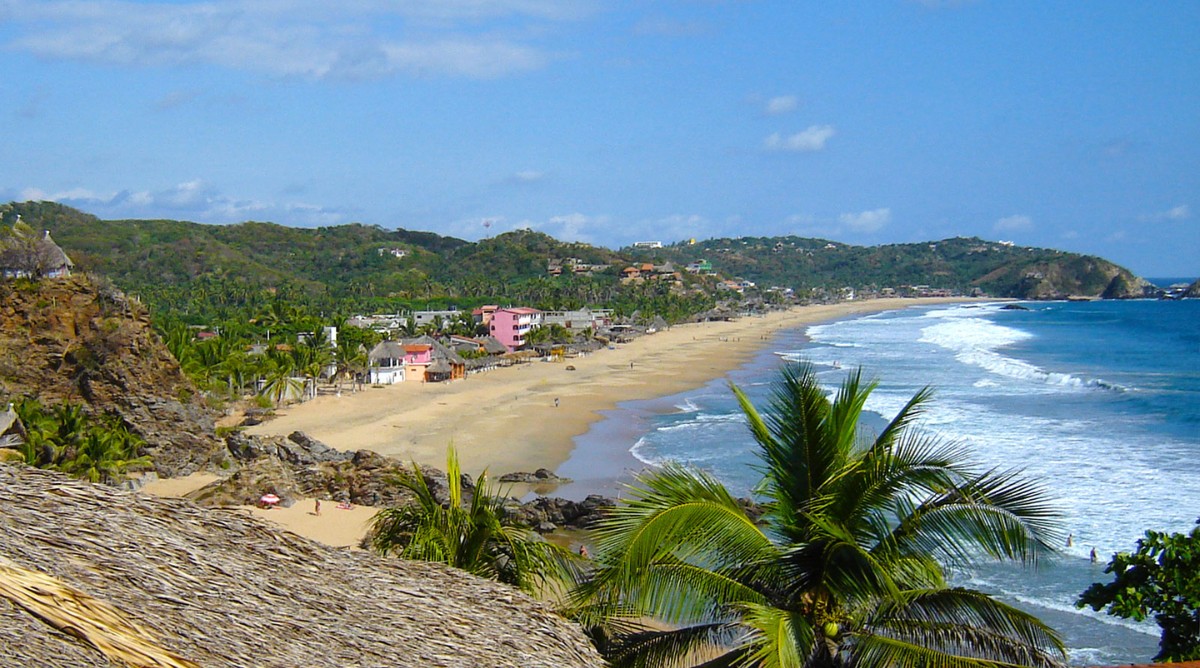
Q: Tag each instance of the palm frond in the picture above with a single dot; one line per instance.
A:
(666, 648)
(682, 512)
(780, 638)
(998, 513)
(968, 624)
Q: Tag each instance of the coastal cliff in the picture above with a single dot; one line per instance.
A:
(1070, 276)
(71, 339)
(163, 578)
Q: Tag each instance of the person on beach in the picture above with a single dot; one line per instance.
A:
(1093, 555)
(556, 402)
(317, 508)
(1070, 539)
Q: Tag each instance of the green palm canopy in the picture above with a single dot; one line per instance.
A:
(471, 532)
(846, 565)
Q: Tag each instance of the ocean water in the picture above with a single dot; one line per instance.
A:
(1099, 401)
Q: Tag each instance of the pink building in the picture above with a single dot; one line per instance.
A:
(510, 325)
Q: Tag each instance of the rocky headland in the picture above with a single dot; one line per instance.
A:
(81, 340)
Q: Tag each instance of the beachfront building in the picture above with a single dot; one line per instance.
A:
(511, 325)
(386, 362)
(441, 318)
(486, 345)
(422, 359)
(580, 320)
(483, 314)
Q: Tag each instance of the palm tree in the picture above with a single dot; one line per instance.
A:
(473, 536)
(845, 566)
(107, 452)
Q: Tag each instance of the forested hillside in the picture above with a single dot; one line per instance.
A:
(961, 264)
(362, 267)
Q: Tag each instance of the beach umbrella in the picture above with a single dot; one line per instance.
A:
(269, 499)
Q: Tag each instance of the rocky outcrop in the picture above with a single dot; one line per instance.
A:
(546, 514)
(222, 588)
(538, 477)
(75, 340)
(1193, 291)
(302, 467)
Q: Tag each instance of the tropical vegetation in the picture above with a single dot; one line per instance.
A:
(64, 437)
(1161, 577)
(470, 532)
(847, 565)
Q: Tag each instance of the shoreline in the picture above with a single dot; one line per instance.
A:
(528, 416)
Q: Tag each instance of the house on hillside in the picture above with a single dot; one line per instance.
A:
(12, 431)
(511, 325)
(21, 257)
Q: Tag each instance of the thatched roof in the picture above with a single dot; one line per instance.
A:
(222, 588)
(56, 259)
(10, 422)
(386, 350)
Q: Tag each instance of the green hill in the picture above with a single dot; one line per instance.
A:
(960, 264)
(363, 262)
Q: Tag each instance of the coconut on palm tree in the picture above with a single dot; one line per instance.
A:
(471, 534)
(846, 567)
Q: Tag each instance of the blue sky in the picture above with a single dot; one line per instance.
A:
(1072, 125)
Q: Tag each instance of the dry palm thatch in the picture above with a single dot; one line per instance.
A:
(221, 588)
(96, 623)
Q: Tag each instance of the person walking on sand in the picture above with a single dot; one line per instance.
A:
(556, 402)
(317, 508)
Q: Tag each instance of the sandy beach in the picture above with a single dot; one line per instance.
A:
(525, 417)
(336, 526)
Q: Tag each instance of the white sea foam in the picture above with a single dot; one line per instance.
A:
(976, 341)
(687, 406)
(638, 452)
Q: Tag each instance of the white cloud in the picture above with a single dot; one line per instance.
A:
(528, 176)
(1181, 212)
(1174, 214)
(867, 221)
(781, 105)
(193, 200)
(668, 229)
(1013, 224)
(572, 227)
(567, 227)
(356, 39)
(813, 138)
